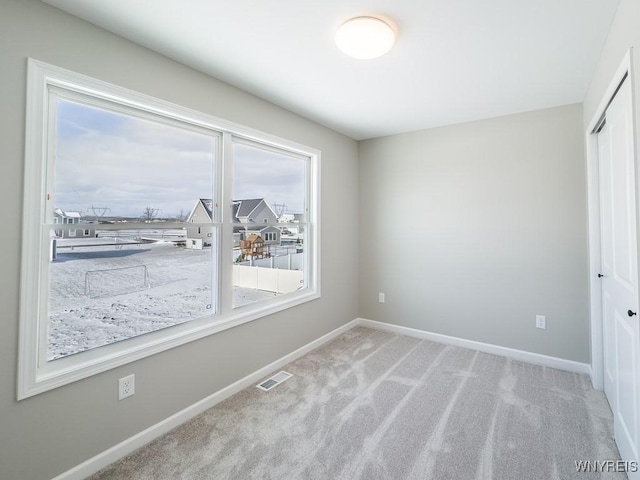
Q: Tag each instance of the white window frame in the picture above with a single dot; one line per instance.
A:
(35, 373)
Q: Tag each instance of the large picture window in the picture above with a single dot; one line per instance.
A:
(188, 225)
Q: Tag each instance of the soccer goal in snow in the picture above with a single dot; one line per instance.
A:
(114, 281)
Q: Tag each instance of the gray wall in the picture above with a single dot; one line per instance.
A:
(473, 229)
(45, 435)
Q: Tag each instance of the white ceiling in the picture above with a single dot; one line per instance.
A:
(453, 61)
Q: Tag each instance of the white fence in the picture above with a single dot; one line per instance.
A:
(268, 279)
(292, 261)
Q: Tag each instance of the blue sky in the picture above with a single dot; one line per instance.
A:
(125, 163)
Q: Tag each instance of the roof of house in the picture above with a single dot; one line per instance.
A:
(243, 208)
(62, 213)
(207, 203)
(239, 208)
(291, 217)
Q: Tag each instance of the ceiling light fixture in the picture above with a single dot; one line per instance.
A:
(365, 37)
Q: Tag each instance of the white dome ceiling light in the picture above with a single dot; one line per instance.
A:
(365, 37)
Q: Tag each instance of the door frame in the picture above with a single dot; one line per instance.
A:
(593, 212)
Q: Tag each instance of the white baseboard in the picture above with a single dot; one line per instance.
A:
(522, 355)
(131, 444)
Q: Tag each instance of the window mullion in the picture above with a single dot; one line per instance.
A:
(226, 240)
(216, 201)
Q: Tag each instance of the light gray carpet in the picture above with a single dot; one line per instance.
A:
(372, 405)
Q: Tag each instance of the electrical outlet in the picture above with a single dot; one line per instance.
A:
(126, 386)
(541, 321)
(380, 297)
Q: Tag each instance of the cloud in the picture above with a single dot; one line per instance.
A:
(126, 163)
(272, 176)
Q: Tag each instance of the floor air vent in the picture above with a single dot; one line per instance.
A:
(271, 382)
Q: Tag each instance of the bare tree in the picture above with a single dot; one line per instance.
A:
(149, 213)
(182, 216)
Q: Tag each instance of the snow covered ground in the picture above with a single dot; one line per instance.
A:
(103, 294)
